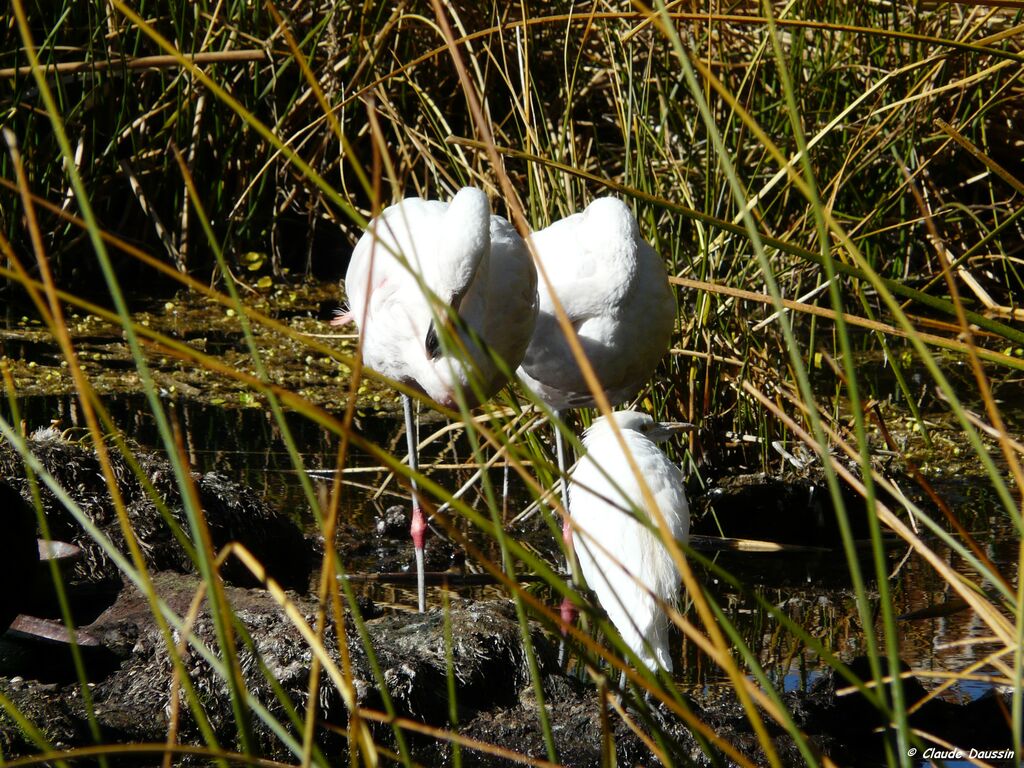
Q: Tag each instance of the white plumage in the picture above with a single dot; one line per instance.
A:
(615, 293)
(472, 260)
(614, 290)
(624, 562)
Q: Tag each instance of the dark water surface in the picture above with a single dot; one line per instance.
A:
(813, 589)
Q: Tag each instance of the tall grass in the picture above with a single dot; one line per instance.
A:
(826, 184)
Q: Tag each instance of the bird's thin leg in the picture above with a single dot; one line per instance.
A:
(504, 492)
(418, 526)
(567, 610)
(563, 487)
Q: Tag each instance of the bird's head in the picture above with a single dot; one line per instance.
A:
(449, 358)
(444, 376)
(642, 423)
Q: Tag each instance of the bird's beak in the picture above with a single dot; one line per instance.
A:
(663, 430)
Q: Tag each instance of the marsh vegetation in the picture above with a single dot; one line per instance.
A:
(836, 191)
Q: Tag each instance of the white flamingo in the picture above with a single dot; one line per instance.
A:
(471, 261)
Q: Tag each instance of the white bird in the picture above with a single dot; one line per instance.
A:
(615, 292)
(471, 261)
(626, 563)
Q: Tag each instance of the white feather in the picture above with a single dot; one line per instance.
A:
(624, 562)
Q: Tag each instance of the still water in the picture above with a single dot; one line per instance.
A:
(811, 588)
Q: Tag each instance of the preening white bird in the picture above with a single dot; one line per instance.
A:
(470, 260)
(614, 290)
(625, 563)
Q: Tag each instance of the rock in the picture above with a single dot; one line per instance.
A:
(232, 512)
(487, 651)
(392, 522)
(788, 510)
(132, 699)
(496, 701)
(132, 666)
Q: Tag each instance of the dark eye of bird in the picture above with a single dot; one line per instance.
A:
(432, 343)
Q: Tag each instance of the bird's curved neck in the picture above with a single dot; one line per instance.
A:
(463, 247)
